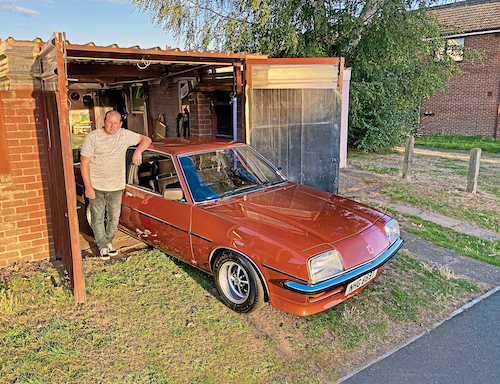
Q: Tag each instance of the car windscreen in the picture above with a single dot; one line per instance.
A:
(226, 172)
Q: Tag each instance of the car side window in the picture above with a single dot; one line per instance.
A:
(156, 173)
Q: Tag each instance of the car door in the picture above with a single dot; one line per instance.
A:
(159, 221)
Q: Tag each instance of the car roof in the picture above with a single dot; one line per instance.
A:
(177, 145)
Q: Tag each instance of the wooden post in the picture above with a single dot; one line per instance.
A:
(410, 142)
(474, 162)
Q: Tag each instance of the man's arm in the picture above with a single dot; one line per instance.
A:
(85, 170)
(143, 143)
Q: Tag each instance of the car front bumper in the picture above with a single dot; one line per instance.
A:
(347, 276)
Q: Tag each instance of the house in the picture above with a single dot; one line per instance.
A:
(53, 93)
(470, 105)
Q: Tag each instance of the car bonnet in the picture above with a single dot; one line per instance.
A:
(303, 217)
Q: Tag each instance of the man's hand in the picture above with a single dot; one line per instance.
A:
(137, 158)
(90, 193)
(143, 143)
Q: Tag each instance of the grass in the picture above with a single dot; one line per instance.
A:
(465, 143)
(444, 201)
(471, 246)
(151, 319)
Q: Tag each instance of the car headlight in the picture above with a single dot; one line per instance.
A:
(392, 230)
(324, 266)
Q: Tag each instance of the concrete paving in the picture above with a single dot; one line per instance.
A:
(124, 243)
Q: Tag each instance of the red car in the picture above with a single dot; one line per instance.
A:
(223, 208)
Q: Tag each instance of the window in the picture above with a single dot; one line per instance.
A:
(454, 48)
(156, 173)
(137, 98)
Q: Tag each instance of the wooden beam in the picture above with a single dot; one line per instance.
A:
(113, 70)
(69, 175)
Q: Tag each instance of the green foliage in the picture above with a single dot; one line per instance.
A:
(393, 46)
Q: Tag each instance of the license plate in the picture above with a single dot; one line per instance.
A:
(358, 283)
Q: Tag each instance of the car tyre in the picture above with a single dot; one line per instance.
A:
(238, 283)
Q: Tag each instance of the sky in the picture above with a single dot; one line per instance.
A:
(103, 22)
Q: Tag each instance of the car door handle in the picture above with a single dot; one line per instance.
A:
(129, 194)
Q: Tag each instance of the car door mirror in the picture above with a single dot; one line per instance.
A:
(173, 194)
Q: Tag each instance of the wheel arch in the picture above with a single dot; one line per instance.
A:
(218, 251)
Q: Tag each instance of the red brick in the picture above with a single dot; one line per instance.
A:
(40, 242)
(465, 108)
(10, 255)
(36, 200)
(19, 103)
(21, 150)
(12, 142)
(14, 188)
(37, 214)
(29, 237)
(16, 172)
(16, 119)
(31, 171)
(25, 94)
(24, 164)
(38, 228)
(25, 179)
(20, 135)
(12, 203)
(25, 195)
(14, 158)
(34, 223)
(29, 142)
(41, 256)
(28, 209)
(7, 211)
(9, 240)
(32, 250)
(35, 186)
(19, 232)
(11, 128)
(25, 111)
(33, 156)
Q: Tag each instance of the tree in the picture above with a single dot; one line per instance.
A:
(393, 46)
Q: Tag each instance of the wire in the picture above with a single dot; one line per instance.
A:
(144, 63)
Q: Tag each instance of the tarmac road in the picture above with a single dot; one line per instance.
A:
(462, 350)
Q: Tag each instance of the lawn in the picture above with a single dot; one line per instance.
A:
(151, 319)
(438, 184)
(465, 143)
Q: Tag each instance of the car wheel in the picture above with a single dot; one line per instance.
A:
(237, 283)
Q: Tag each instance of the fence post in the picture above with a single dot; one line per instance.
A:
(410, 142)
(474, 162)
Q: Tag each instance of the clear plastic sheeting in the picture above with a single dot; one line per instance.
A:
(298, 130)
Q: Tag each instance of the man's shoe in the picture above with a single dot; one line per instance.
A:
(104, 253)
(112, 251)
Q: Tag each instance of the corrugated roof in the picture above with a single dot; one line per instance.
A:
(468, 16)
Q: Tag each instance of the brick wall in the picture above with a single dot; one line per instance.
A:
(470, 104)
(200, 115)
(167, 102)
(25, 221)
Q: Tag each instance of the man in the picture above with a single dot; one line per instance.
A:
(103, 172)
